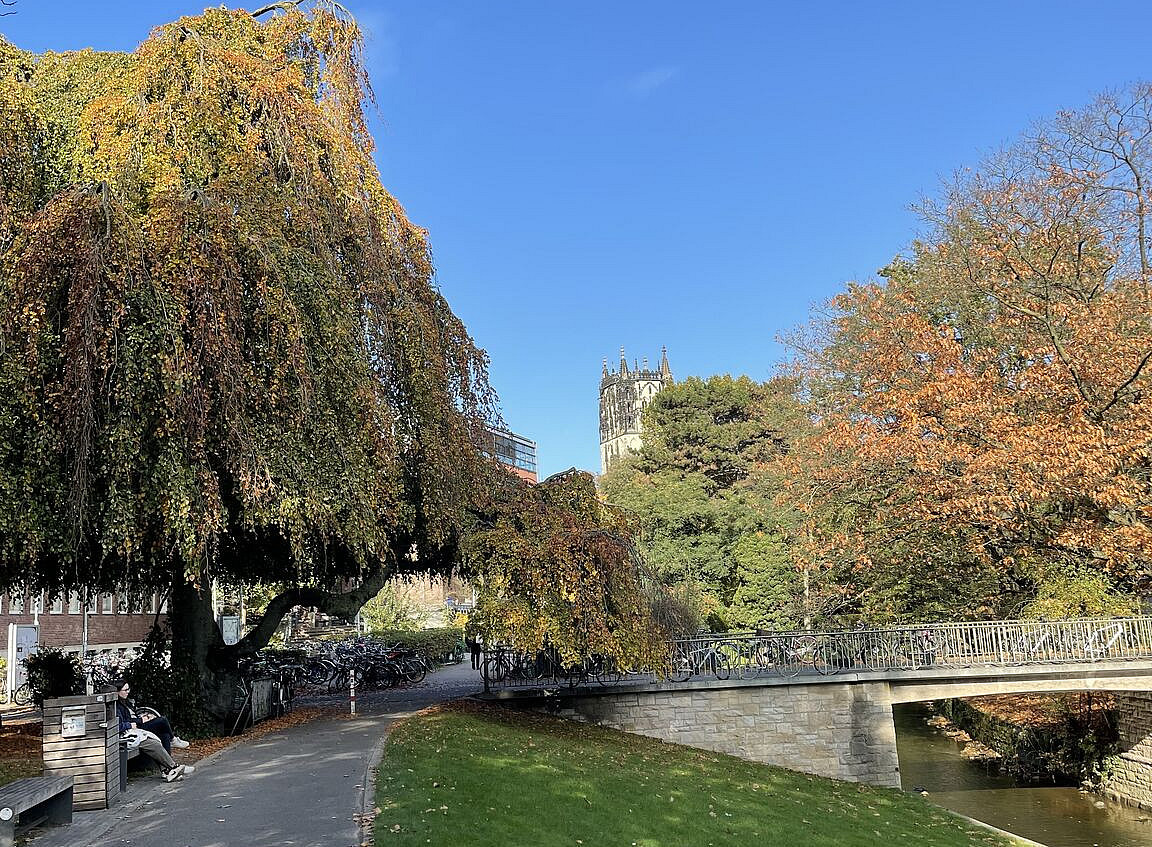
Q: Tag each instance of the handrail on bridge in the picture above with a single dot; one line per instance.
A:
(898, 648)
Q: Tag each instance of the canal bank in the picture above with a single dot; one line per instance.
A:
(1057, 816)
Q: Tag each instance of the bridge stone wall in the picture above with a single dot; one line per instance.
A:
(1131, 778)
(836, 730)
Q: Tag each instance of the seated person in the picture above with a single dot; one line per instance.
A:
(155, 733)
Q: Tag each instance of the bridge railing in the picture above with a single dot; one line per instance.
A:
(901, 648)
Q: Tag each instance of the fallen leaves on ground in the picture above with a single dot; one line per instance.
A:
(202, 747)
(1040, 710)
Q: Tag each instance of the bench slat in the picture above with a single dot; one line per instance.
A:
(32, 790)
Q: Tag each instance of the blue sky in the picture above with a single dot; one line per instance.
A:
(669, 173)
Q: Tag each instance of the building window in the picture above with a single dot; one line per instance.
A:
(38, 604)
(108, 604)
(73, 603)
(16, 604)
(58, 605)
(155, 603)
(93, 603)
(511, 449)
(164, 605)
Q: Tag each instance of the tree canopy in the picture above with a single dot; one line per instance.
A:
(702, 489)
(985, 415)
(223, 353)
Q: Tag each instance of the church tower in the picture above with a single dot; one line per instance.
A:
(623, 395)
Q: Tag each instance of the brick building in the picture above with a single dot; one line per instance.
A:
(114, 621)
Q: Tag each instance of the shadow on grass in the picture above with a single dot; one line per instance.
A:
(485, 776)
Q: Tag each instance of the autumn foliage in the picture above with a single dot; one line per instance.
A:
(984, 414)
(223, 354)
(592, 597)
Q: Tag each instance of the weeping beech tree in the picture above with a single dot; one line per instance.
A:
(222, 352)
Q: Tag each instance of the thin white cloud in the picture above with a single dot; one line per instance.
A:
(646, 82)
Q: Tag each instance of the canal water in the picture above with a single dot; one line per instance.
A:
(1053, 815)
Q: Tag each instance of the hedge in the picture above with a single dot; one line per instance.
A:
(439, 644)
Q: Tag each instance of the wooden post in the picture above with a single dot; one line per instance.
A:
(81, 738)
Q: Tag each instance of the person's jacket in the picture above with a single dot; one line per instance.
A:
(125, 714)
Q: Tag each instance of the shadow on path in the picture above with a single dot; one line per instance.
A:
(305, 786)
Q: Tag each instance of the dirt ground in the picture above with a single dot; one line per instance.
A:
(1041, 710)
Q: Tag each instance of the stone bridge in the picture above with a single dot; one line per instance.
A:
(822, 702)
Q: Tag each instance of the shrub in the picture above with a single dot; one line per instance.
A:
(392, 609)
(53, 673)
(716, 622)
(437, 644)
(173, 691)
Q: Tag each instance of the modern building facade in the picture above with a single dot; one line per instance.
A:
(623, 396)
(515, 452)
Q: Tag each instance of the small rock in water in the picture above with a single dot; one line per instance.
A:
(976, 751)
(1100, 804)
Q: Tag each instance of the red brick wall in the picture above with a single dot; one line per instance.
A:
(523, 474)
(63, 629)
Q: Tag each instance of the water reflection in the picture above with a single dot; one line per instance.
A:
(1055, 816)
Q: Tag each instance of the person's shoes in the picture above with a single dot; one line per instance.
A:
(173, 774)
(189, 770)
(177, 741)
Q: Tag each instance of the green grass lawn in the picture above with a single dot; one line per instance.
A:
(480, 776)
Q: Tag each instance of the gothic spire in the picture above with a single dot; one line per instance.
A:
(623, 362)
(665, 369)
(604, 371)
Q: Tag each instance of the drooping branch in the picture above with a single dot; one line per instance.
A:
(346, 603)
(343, 604)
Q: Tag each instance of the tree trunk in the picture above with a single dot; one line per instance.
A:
(198, 648)
(198, 645)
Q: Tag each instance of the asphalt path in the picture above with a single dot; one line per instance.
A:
(306, 786)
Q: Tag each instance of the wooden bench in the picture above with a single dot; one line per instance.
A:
(31, 801)
(126, 755)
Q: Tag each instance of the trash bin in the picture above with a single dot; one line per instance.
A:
(82, 740)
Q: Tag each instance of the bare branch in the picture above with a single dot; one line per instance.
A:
(284, 5)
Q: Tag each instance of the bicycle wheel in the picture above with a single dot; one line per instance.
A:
(679, 667)
(760, 660)
(785, 660)
(415, 671)
(606, 673)
(495, 668)
(806, 649)
(721, 666)
(23, 695)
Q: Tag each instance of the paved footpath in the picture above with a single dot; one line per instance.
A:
(305, 786)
